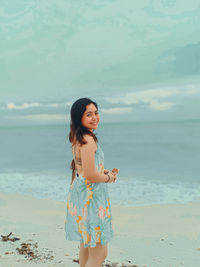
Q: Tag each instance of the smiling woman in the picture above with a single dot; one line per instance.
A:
(90, 118)
(88, 216)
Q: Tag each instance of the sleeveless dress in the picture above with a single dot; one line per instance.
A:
(88, 211)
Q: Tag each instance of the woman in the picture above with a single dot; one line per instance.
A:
(88, 217)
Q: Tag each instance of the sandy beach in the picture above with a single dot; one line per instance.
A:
(151, 236)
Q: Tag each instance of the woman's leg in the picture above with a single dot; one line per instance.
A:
(83, 255)
(97, 255)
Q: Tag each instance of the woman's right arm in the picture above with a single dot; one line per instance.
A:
(88, 162)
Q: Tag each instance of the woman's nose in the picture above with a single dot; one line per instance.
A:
(94, 116)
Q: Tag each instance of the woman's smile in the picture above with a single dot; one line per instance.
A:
(90, 118)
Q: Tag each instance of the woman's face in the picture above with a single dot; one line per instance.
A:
(90, 118)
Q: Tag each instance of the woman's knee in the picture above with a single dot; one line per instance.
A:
(100, 252)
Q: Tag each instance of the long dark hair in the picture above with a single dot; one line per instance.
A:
(77, 130)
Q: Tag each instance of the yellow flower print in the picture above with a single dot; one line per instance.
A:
(108, 214)
(68, 200)
(98, 234)
(89, 192)
(82, 230)
(101, 168)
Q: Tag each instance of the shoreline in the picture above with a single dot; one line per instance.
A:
(158, 235)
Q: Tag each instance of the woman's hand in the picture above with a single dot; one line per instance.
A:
(115, 170)
(112, 174)
(106, 171)
(113, 177)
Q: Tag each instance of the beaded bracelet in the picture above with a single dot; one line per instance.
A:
(108, 178)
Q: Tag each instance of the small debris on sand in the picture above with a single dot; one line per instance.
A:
(75, 260)
(9, 252)
(33, 253)
(29, 249)
(7, 238)
(26, 250)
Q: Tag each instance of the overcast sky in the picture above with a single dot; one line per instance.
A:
(140, 60)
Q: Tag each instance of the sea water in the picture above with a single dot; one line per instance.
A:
(158, 161)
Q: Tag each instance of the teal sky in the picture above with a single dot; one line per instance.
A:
(139, 59)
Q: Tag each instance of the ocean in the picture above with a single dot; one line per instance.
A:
(158, 161)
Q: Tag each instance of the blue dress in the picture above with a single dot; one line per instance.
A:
(88, 211)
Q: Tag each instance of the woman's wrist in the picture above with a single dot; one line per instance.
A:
(108, 178)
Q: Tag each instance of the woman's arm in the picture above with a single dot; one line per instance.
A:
(88, 162)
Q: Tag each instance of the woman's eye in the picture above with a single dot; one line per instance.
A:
(96, 113)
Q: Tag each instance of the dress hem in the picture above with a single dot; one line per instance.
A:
(88, 246)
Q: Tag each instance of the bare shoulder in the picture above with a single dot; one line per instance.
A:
(88, 138)
(90, 143)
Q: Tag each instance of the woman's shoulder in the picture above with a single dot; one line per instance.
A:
(88, 138)
(89, 141)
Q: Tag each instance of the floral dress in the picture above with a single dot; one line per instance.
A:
(88, 212)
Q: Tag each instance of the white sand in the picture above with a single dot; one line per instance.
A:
(152, 236)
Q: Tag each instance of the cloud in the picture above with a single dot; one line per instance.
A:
(44, 117)
(23, 106)
(116, 110)
(153, 98)
(145, 96)
(160, 106)
(12, 106)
